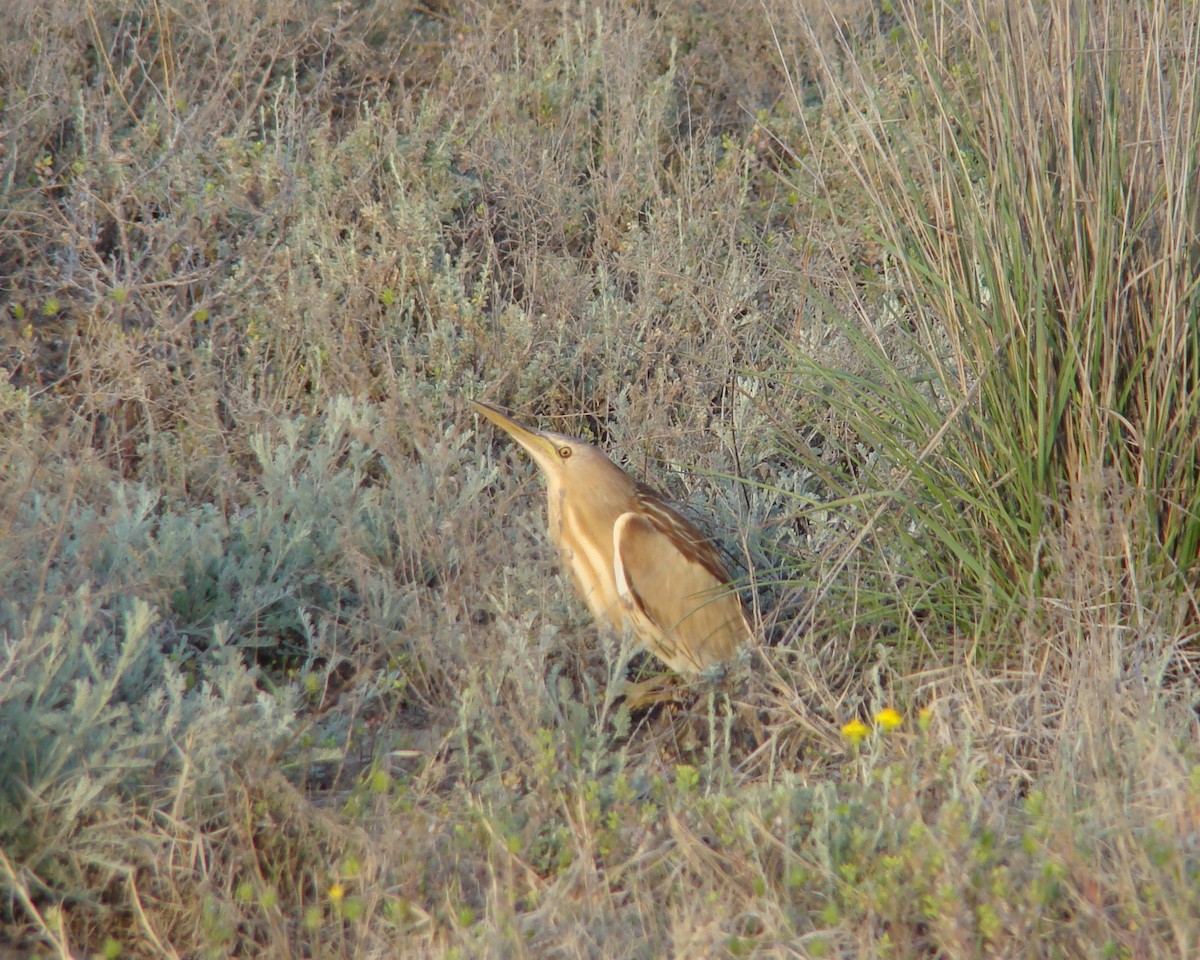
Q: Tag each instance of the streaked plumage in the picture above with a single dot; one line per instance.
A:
(636, 562)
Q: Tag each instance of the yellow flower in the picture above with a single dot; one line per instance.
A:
(925, 717)
(855, 731)
(336, 892)
(888, 718)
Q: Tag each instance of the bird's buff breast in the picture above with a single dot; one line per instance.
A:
(590, 566)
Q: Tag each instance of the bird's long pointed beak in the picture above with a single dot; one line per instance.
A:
(536, 444)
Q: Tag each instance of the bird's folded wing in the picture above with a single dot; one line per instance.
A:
(665, 571)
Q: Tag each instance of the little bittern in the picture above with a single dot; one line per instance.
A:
(636, 562)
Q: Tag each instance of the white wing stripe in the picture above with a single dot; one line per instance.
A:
(623, 590)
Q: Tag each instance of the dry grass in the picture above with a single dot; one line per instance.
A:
(903, 301)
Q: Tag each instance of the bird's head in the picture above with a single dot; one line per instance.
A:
(564, 461)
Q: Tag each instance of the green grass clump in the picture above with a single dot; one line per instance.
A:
(902, 300)
(1037, 352)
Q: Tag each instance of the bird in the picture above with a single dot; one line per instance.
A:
(637, 563)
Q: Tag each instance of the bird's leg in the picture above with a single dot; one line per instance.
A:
(661, 688)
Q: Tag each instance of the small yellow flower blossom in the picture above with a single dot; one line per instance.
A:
(855, 731)
(888, 719)
(337, 892)
(924, 717)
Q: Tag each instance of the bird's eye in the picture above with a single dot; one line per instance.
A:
(564, 453)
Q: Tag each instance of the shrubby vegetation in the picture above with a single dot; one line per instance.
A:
(901, 298)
